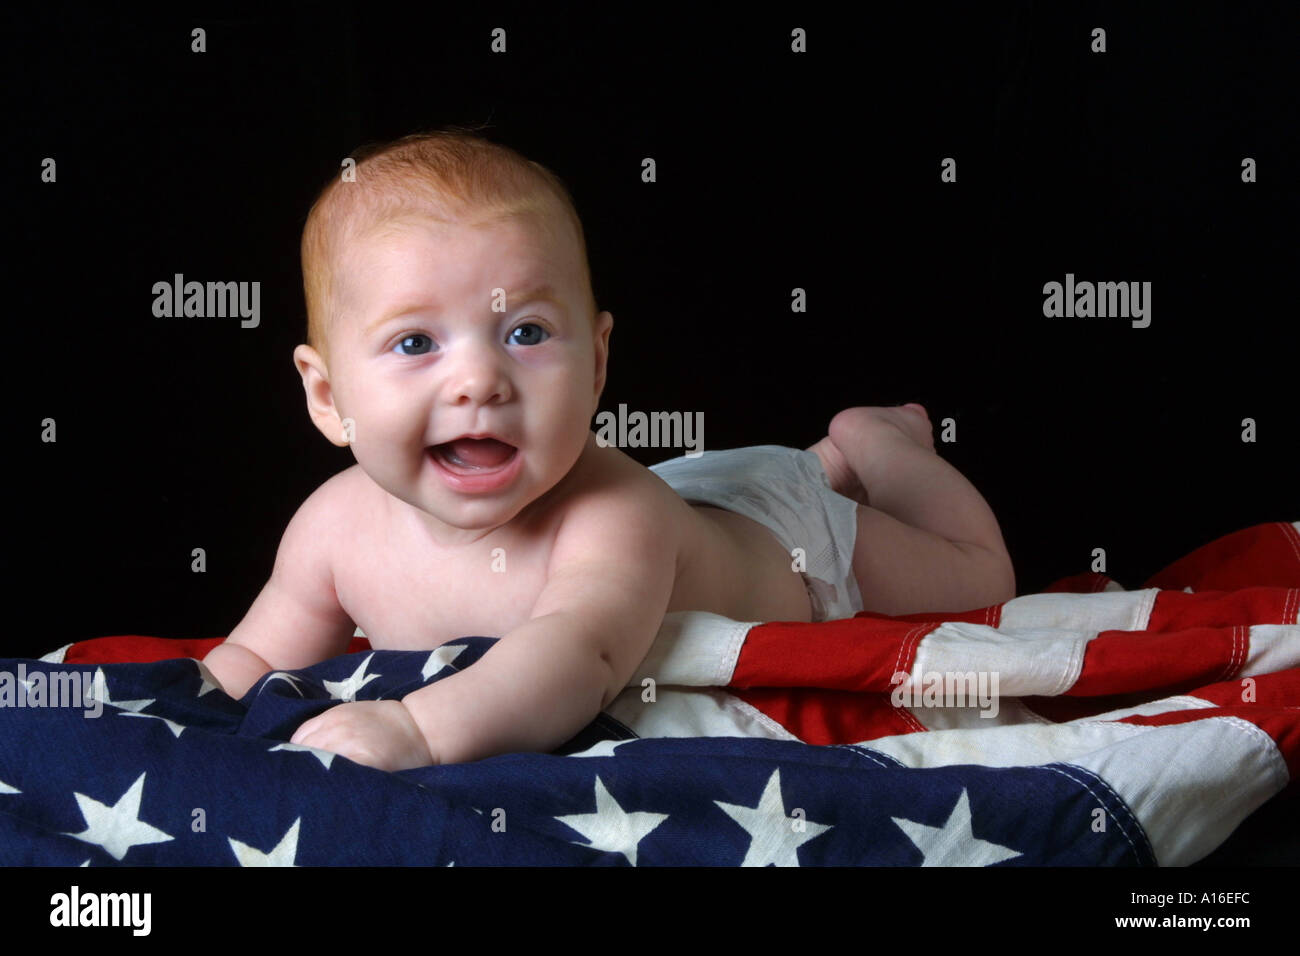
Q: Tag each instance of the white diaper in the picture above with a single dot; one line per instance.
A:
(787, 491)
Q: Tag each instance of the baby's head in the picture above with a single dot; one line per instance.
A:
(448, 295)
(452, 176)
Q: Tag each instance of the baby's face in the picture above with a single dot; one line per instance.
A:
(418, 358)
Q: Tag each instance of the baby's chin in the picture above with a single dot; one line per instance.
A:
(433, 496)
(471, 516)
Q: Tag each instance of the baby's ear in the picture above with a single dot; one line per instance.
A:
(320, 397)
(604, 324)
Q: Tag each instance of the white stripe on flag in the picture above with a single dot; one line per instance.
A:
(693, 713)
(1007, 746)
(1102, 611)
(1191, 784)
(693, 649)
(1027, 660)
(996, 744)
(1273, 647)
(1009, 711)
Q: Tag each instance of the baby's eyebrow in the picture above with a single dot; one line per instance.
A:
(514, 299)
(537, 293)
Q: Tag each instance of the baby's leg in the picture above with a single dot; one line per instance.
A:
(927, 540)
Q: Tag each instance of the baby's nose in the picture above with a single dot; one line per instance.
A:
(477, 378)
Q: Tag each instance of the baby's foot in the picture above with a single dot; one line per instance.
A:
(851, 428)
(850, 436)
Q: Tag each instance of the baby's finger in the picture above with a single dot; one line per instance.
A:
(307, 730)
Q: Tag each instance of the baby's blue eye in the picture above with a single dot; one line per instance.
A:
(531, 339)
(418, 344)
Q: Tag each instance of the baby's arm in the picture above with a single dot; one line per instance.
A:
(296, 620)
(608, 586)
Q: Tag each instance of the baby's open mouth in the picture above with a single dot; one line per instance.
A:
(470, 455)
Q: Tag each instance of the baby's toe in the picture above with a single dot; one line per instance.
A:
(922, 430)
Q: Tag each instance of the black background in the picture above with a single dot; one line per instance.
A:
(775, 171)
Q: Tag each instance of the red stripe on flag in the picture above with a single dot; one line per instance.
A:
(1279, 689)
(852, 654)
(138, 649)
(825, 717)
(1265, 554)
(1122, 662)
(1061, 710)
(990, 616)
(1175, 610)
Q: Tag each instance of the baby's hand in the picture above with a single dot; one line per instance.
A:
(377, 733)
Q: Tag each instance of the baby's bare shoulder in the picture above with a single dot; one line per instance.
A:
(338, 499)
(609, 479)
(340, 505)
(615, 555)
(615, 498)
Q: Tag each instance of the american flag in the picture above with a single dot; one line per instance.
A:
(1130, 727)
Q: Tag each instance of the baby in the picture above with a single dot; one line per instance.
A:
(455, 347)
